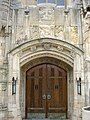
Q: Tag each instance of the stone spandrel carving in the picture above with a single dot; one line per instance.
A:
(46, 31)
(74, 34)
(46, 15)
(20, 35)
(34, 32)
(59, 32)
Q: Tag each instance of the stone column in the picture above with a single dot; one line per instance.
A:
(27, 31)
(13, 41)
(80, 25)
(87, 57)
(4, 5)
(66, 27)
(13, 99)
(78, 98)
(3, 82)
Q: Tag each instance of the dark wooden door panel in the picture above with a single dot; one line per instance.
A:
(46, 89)
(57, 89)
(35, 84)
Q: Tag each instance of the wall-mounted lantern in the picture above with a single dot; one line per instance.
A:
(14, 85)
(79, 86)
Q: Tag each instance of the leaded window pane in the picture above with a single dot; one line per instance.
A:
(41, 1)
(60, 2)
(51, 1)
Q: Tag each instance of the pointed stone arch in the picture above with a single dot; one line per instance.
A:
(40, 51)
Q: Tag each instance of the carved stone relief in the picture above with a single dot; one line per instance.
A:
(46, 31)
(52, 50)
(39, 50)
(74, 34)
(46, 15)
(60, 48)
(34, 32)
(46, 54)
(59, 32)
(73, 54)
(4, 86)
(20, 35)
(41, 23)
(33, 48)
(47, 46)
(4, 10)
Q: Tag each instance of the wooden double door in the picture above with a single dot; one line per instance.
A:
(46, 90)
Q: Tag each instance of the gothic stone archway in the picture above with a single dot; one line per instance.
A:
(41, 51)
(36, 97)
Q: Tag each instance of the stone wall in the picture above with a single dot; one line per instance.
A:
(5, 19)
(27, 24)
(87, 57)
(47, 21)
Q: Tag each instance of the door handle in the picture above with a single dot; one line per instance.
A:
(44, 97)
(48, 96)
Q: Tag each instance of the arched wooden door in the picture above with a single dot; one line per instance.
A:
(46, 90)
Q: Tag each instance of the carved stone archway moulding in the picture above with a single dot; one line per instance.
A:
(45, 60)
(46, 47)
(39, 51)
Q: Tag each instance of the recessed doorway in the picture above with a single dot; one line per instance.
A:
(46, 92)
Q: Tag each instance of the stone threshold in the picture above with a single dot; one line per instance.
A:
(46, 119)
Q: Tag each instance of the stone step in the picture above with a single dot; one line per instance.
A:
(46, 119)
(41, 116)
(37, 119)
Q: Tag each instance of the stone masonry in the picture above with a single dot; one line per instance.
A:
(31, 31)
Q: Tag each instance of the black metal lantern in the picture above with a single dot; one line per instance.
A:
(79, 86)
(13, 86)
